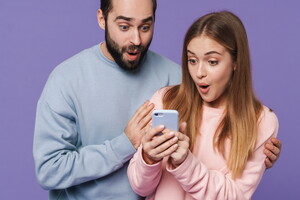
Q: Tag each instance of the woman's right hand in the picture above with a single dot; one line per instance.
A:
(182, 151)
(156, 147)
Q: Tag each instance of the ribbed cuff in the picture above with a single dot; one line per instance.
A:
(122, 147)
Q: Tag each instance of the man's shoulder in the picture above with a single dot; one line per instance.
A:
(72, 67)
(82, 59)
(164, 68)
(163, 61)
(85, 55)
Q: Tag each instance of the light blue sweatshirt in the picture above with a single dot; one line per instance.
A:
(80, 149)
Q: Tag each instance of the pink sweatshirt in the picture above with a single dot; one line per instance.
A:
(204, 173)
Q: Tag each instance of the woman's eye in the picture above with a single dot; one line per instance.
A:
(192, 61)
(124, 27)
(213, 62)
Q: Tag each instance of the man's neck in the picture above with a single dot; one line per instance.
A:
(105, 51)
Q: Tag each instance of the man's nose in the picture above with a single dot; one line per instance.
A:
(136, 38)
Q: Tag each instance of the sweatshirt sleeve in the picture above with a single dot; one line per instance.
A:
(202, 183)
(143, 178)
(60, 159)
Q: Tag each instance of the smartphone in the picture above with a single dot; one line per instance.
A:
(168, 118)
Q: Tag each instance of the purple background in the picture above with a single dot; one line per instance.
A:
(37, 35)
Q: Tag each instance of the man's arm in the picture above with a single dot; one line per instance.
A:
(272, 151)
(61, 164)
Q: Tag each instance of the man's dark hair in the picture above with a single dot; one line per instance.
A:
(106, 7)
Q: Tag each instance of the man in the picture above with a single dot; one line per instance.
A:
(81, 149)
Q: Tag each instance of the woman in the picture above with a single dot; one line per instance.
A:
(218, 151)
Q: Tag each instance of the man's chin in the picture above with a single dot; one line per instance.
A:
(129, 65)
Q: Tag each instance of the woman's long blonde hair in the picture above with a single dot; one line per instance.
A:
(239, 123)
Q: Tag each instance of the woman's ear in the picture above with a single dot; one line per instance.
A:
(234, 66)
(101, 19)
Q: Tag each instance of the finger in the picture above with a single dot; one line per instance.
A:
(153, 131)
(163, 132)
(166, 131)
(276, 142)
(157, 149)
(180, 136)
(272, 157)
(144, 112)
(272, 148)
(146, 107)
(268, 163)
(168, 151)
(145, 121)
(182, 127)
(162, 139)
(148, 126)
(163, 147)
(183, 139)
(143, 106)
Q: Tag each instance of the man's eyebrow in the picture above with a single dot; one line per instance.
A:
(147, 19)
(123, 18)
(130, 19)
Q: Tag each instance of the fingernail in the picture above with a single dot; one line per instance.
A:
(171, 133)
(175, 139)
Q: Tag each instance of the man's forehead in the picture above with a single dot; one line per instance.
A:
(133, 9)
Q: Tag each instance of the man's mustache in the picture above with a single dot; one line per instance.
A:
(132, 48)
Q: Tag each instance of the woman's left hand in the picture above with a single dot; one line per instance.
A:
(182, 151)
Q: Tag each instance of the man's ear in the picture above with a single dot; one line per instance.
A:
(100, 18)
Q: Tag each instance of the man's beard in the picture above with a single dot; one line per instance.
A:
(117, 53)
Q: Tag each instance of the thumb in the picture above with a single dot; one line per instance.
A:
(182, 127)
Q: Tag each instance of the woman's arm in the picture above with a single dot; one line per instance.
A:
(143, 177)
(145, 168)
(202, 183)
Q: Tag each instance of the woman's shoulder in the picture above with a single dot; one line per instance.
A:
(162, 91)
(158, 96)
(268, 124)
(268, 116)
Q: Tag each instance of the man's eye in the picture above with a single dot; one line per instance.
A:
(213, 62)
(192, 61)
(145, 28)
(124, 27)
